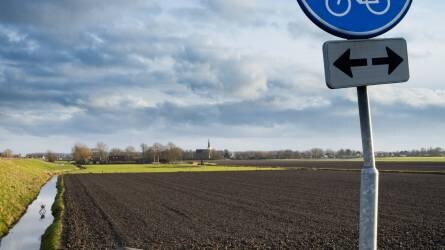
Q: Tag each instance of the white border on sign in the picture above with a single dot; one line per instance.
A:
(353, 33)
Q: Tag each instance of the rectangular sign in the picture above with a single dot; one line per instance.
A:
(365, 62)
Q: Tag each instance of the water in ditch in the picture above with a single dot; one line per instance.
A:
(27, 233)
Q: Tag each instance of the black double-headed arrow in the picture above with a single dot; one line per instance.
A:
(345, 63)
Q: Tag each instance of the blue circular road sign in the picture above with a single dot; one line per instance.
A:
(354, 19)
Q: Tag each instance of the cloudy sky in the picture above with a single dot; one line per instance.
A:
(246, 74)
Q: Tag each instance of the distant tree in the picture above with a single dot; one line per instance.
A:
(298, 155)
(81, 153)
(144, 150)
(173, 153)
(435, 151)
(130, 153)
(188, 155)
(7, 153)
(157, 149)
(130, 149)
(217, 155)
(227, 154)
(287, 154)
(116, 151)
(50, 156)
(317, 153)
(330, 153)
(102, 150)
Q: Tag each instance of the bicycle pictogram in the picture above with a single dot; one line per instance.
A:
(341, 8)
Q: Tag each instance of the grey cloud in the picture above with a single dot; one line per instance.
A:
(303, 29)
(232, 9)
(66, 13)
(110, 121)
(209, 73)
(313, 120)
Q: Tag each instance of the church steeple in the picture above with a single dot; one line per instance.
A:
(209, 149)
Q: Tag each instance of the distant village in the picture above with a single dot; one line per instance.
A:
(170, 153)
(156, 153)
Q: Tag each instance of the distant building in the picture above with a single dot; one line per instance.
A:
(204, 154)
(43, 156)
(37, 156)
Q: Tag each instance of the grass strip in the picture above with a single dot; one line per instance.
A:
(381, 171)
(169, 168)
(52, 236)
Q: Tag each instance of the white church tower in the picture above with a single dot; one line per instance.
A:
(209, 149)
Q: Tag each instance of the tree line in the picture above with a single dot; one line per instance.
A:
(159, 153)
(101, 154)
(318, 153)
(315, 153)
(155, 153)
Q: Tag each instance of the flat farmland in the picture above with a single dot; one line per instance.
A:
(260, 209)
(417, 165)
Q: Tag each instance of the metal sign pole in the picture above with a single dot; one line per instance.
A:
(352, 63)
(369, 188)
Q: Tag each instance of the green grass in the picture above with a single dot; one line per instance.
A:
(148, 168)
(412, 159)
(52, 236)
(438, 172)
(20, 182)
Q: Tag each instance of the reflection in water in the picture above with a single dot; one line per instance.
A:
(26, 234)
(42, 211)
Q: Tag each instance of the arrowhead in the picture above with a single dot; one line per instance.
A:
(394, 60)
(344, 63)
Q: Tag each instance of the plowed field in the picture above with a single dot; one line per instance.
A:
(264, 209)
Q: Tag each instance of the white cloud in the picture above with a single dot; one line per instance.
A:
(118, 102)
(35, 117)
(414, 97)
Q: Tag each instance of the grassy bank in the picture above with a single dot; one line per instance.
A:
(20, 182)
(51, 238)
(412, 159)
(148, 168)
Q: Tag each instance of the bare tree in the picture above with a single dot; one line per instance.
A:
(7, 153)
(130, 149)
(50, 156)
(144, 149)
(81, 153)
(102, 150)
(157, 148)
(116, 151)
(227, 154)
(317, 153)
(130, 152)
(174, 153)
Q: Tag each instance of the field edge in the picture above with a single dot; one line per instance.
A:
(169, 168)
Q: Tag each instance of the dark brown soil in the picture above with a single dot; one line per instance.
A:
(263, 209)
(337, 164)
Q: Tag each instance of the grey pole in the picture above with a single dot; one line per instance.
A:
(369, 188)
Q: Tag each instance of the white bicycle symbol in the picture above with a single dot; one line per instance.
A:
(369, 4)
